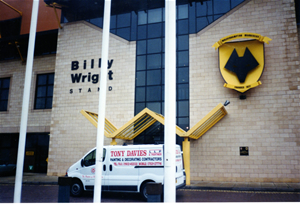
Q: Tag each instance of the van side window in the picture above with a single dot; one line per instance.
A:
(91, 158)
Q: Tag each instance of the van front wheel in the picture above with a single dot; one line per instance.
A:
(76, 188)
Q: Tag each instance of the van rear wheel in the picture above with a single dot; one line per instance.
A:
(143, 191)
(76, 188)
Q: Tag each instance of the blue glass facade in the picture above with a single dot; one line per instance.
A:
(147, 29)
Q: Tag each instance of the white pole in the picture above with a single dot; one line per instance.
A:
(102, 101)
(25, 103)
(170, 101)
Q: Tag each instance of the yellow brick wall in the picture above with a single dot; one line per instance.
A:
(268, 120)
(38, 120)
(72, 135)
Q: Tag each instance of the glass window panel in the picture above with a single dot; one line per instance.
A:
(51, 79)
(40, 103)
(183, 108)
(114, 31)
(202, 22)
(183, 42)
(124, 33)
(204, 9)
(97, 22)
(142, 17)
(41, 91)
(49, 103)
(154, 61)
(183, 58)
(153, 77)
(113, 22)
(5, 83)
(182, 27)
(4, 94)
(154, 46)
(154, 15)
(142, 32)
(183, 122)
(3, 105)
(182, 11)
(50, 91)
(133, 26)
(139, 107)
(140, 78)
(154, 30)
(123, 20)
(155, 107)
(221, 6)
(42, 79)
(234, 3)
(182, 92)
(141, 47)
(141, 63)
(163, 76)
(140, 94)
(216, 17)
(183, 75)
(153, 93)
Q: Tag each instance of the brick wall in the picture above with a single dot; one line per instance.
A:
(72, 135)
(38, 120)
(268, 120)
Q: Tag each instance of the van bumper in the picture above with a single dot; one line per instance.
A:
(180, 185)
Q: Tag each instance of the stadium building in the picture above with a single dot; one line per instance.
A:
(243, 51)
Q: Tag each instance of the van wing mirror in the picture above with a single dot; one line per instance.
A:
(81, 163)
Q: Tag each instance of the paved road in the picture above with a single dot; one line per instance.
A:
(49, 193)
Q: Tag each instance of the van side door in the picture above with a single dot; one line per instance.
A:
(122, 172)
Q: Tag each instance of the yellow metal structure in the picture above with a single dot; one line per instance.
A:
(146, 118)
(207, 122)
(20, 12)
(55, 5)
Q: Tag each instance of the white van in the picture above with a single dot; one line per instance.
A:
(126, 168)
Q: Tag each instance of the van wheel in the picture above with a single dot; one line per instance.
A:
(76, 188)
(143, 191)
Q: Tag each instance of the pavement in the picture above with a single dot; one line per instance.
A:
(43, 179)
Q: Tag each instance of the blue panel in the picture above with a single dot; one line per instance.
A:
(182, 11)
(140, 78)
(154, 77)
(141, 62)
(142, 18)
(154, 46)
(221, 6)
(123, 20)
(183, 42)
(140, 94)
(153, 93)
(155, 15)
(142, 32)
(141, 47)
(154, 30)
(154, 61)
(182, 27)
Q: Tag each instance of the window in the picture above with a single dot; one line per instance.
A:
(90, 159)
(4, 88)
(44, 91)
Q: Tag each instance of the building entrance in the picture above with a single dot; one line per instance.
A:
(36, 151)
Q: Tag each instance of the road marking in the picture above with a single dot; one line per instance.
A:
(234, 191)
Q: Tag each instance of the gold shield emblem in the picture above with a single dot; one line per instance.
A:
(241, 63)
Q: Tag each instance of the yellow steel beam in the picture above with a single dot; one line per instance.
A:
(207, 122)
(6, 4)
